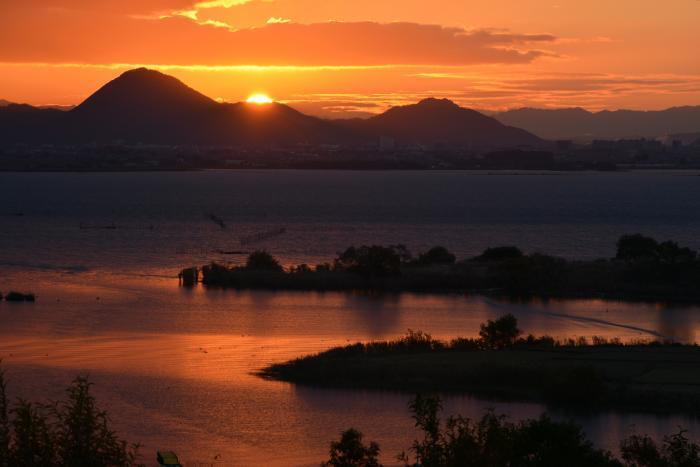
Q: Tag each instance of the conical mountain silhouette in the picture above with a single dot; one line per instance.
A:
(147, 106)
(143, 90)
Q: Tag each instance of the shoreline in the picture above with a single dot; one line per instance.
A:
(476, 170)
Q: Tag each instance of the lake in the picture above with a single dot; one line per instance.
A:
(174, 367)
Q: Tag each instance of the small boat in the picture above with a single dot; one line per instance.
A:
(168, 459)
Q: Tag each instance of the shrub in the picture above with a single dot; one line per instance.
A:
(301, 269)
(670, 253)
(434, 256)
(261, 260)
(494, 441)
(70, 434)
(350, 451)
(83, 437)
(501, 253)
(33, 443)
(419, 341)
(675, 451)
(501, 333)
(372, 260)
(636, 247)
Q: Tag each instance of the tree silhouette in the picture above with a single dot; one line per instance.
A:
(261, 260)
(501, 333)
(636, 247)
(372, 260)
(350, 451)
(74, 433)
(436, 255)
(500, 253)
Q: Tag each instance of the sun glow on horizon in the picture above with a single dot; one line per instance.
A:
(259, 99)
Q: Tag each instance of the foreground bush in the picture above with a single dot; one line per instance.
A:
(675, 451)
(351, 452)
(73, 433)
(494, 441)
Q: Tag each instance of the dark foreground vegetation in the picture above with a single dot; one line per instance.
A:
(643, 269)
(495, 441)
(500, 364)
(72, 433)
(18, 297)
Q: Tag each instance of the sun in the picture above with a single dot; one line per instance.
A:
(259, 99)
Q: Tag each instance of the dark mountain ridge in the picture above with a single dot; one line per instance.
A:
(578, 123)
(146, 106)
(443, 121)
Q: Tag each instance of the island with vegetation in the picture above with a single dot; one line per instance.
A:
(501, 363)
(642, 269)
(18, 297)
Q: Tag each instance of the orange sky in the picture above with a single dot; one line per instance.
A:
(336, 57)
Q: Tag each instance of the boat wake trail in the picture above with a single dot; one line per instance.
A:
(582, 319)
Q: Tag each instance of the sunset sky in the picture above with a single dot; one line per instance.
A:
(349, 57)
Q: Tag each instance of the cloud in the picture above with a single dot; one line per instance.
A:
(221, 3)
(276, 20)
(33, 32)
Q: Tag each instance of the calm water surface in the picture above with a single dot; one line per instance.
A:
(174, 366)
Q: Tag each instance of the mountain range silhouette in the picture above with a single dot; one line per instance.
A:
(578, 123)
(146, 106)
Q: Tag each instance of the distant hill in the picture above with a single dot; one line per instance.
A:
(577, 123)
(57, 107)
(146, 106)
(4, 103)
(443, 121)
(21, 123)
